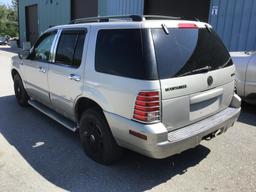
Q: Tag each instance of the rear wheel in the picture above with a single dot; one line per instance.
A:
(97, 139)
(20, 92)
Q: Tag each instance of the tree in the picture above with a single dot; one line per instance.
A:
(15, 4)
(9, 20)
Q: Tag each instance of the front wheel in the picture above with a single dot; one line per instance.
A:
(97, 139)
(20, 92)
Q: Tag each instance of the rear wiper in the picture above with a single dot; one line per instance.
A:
(195, 71)
(225, 64)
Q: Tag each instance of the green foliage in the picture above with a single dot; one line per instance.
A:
(15, 4)
(9, 20)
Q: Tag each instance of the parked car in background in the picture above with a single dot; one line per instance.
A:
(3, 40)
(245, 63)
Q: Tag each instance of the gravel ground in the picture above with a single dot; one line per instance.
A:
(226, 163)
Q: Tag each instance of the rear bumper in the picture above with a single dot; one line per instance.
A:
(160, 143)
(191, 136)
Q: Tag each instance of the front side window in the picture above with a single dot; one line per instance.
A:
(42, 48)
(70, 48)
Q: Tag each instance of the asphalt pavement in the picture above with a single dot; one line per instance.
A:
(55, 159)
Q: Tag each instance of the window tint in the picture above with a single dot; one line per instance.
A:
(70, 48)
(79, 50)
(120, 52)
(66, 48)
(185, 50)
(42, 48)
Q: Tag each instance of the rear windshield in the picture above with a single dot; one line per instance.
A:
(184, 51)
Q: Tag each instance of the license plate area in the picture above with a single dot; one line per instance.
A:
(204, 108)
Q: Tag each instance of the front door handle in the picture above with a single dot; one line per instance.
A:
(42, 70)
(74, 77)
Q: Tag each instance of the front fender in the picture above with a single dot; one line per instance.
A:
(18, 67)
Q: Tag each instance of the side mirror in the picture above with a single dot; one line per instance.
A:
(24, 54)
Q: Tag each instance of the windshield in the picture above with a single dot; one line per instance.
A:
(184, 51)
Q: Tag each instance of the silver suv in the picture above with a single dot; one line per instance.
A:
(155, 85)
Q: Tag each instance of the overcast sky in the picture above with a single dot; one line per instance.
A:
(8, 2)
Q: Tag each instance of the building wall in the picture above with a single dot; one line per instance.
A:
(84, 8)
(56, 12)
(50, 13)
(179, 8)
(121, 7)
(235, 22)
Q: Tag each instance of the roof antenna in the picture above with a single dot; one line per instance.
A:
(208, 28)
(165, 29)
(197, 19)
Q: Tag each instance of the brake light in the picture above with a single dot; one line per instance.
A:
(187, 26)
(147, 107)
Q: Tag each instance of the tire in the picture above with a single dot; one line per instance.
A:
(97, 139)
(20, 92)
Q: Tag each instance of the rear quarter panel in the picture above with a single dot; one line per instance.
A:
(114, 94)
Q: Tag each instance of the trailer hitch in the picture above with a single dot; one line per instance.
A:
(214, 134)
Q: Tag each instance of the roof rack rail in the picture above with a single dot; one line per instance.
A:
(131, 17)
(152, 17)
(106, 18)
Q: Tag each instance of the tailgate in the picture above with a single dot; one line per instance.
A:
(196, 74)
(189, 99)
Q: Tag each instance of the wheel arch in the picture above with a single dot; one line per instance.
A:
(14, 72)
(84, 103)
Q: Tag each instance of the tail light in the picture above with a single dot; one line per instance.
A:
(147, 107)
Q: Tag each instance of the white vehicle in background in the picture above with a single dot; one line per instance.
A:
(245, 63)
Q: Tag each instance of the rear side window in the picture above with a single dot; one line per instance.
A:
(183, 51)
(120, 52)
(79, 50)
(70, 48)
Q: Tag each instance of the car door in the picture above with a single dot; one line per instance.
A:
(66, 73)
(36, 68)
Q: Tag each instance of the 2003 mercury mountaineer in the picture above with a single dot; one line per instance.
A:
(153, 84)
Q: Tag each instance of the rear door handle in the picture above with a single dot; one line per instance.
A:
(74, 77)
(42, 70)
(206, 95)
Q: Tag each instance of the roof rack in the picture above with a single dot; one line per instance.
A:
(106, 18)
(136, 18)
